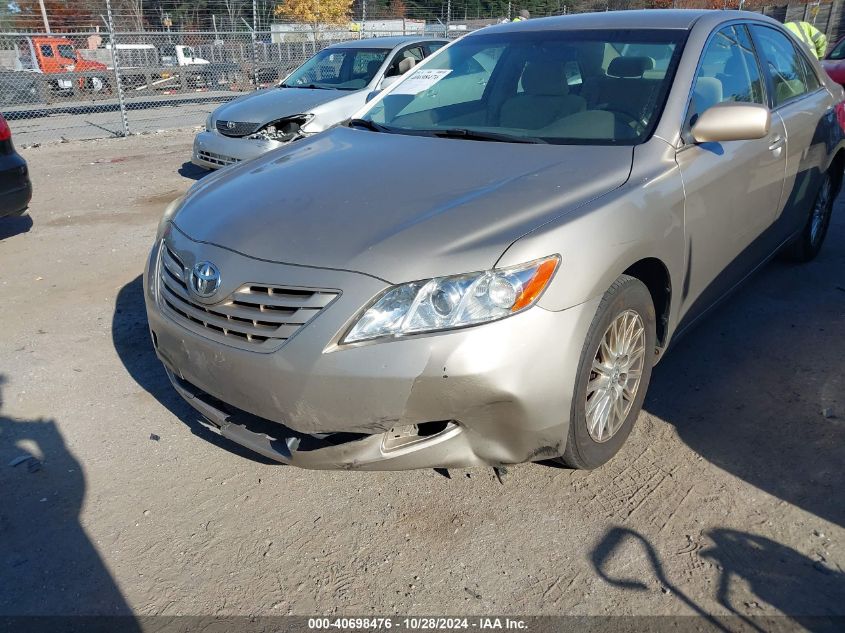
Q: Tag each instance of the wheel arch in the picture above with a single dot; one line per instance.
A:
(837, 167)
(654, 274)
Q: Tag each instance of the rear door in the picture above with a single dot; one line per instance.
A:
(732, 188)
(805, 107)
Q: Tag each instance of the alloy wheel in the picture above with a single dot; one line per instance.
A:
(821, 211)
(615, 375)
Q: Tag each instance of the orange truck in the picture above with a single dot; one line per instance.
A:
(54, 56)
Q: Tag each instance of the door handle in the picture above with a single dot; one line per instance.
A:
(776, 143)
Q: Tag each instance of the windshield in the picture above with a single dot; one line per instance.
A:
(338, 68)
(564, 87)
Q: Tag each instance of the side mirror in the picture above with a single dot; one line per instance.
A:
(732, 121)
(389, 81)
(372, 95)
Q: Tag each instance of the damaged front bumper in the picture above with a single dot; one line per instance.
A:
(213, 151)
(493, 394)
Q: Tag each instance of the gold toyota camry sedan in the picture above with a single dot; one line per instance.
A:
(483, 265)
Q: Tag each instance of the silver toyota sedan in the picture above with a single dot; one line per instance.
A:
(485, 263)
(324, 91)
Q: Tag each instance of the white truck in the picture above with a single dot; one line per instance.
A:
(146, 67)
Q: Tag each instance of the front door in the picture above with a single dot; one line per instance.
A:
(733, 189)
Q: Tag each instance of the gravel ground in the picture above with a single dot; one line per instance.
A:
(727, 499)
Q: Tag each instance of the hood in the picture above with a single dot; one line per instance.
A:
(83, 64)
(268, 105)
(394, 206)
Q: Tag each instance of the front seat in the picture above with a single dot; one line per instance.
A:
(406, 64)
(623, 89)
(545, 98)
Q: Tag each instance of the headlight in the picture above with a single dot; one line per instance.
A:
(445, 303)
(169, 212)
(209, 123)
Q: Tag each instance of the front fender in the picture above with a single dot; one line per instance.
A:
(643, 219)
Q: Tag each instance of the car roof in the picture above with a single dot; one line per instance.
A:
(387, 43)
(683, 19)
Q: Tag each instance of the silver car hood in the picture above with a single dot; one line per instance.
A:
(394, 206)
(268, 105)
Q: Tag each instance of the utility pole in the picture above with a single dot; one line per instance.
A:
(255, 43)
(448, 16)
(44, 16)
(116, 62)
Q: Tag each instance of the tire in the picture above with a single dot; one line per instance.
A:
(98, 84)
(626, 305)
(807, 245)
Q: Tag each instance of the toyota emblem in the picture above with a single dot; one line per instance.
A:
(205, 279)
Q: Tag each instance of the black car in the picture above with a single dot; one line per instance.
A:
(15, 188)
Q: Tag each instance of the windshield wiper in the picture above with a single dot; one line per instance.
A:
(472, 135)
(309, 86)
(366, 123)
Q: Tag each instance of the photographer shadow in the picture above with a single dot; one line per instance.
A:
(49, 565)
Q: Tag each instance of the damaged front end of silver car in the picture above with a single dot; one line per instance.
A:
(283, 130)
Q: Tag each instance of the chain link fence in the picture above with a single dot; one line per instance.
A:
(101, 83)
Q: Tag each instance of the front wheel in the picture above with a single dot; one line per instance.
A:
(98, 84)
(807, 245)
(613, 376)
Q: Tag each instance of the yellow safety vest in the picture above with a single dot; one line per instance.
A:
(810, 35)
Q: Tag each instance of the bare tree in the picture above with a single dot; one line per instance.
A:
(235, 10)
(132, 12)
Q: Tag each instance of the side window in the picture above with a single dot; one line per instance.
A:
(66, 51)
(46, 50)
(728, 72)
(414, 52)
(783, 63)
(434, 46)
(811, 79)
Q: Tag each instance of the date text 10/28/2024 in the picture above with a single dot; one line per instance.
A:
(418, 624)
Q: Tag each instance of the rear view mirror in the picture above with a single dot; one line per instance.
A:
(732, 121)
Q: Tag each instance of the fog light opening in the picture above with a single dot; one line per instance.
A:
(408, 434)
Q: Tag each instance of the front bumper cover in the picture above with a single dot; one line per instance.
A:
(213, 151)
(505, 388)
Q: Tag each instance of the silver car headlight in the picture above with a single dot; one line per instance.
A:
(446, 303)
(209, 122)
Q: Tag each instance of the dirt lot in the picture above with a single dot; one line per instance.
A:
(728, 498)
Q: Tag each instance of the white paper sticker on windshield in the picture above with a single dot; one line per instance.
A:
(420, 80)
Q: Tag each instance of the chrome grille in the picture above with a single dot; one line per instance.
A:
(256, 317)
(236, 128)
(217, 159)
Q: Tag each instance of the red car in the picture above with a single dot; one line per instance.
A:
(834, 62)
